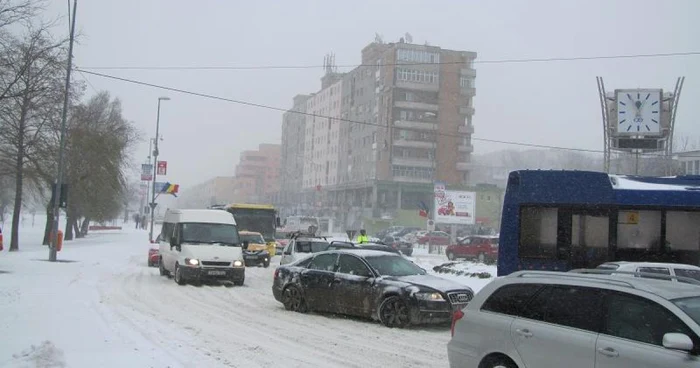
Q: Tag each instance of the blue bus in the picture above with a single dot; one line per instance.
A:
(559, 220)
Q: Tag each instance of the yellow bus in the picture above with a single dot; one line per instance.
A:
(260, 218)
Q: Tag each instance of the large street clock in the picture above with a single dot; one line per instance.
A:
(638, 112)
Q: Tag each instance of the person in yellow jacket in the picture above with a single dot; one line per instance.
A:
(362, 238)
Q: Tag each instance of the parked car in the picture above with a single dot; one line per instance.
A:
(549, 319)
(153, 255)
(301, 246)
(258, 251)
(405, 231)
(414, 236)
(649, 268)
(483, 248)
(336, 245)
(435, 238)
(371, 284)
(197, 245)
(397, 243)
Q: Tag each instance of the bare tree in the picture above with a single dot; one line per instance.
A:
(27, 111)
(98, 148)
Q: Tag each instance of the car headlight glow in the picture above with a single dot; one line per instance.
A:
(435, 297)
(237, 263)
(192, 261)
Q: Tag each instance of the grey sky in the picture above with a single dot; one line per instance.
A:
(546, 103)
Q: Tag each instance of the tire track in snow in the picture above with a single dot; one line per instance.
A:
(246, 326)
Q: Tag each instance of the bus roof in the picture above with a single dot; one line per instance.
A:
(251, 206)
(591, 188)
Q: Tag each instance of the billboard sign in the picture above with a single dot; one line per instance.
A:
(146, 172)
(454, 207)
(162, 168)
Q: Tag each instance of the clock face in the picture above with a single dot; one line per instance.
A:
(639, 112)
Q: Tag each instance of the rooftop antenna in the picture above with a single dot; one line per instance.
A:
(378, 38)
(409, 38)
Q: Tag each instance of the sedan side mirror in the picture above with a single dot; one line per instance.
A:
(677, 341)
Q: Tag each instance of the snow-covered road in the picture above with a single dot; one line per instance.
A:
(109, 309)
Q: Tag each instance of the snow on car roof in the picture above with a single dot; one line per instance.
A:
(366, 252)
(627, 264)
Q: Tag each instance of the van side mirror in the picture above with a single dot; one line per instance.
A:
(277, 221)
(245, 244)
(174, 243)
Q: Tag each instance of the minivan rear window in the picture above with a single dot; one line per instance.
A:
(510, 299)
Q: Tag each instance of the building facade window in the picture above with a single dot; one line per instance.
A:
(417, 56)
(417, 76)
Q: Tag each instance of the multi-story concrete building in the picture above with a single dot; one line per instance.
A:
(321, 152)
(218, 190)
(406, 122)
(292, 152)
(257, 177)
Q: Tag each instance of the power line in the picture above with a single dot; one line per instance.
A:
(273, 108)
(494, 61)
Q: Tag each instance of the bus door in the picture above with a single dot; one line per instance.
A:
(583, 237)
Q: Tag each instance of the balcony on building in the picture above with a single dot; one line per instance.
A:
(468, 72)
(413, 144)
(412, 161)
(416, 125)
(416, 105)
(466, 110)
(432, 87)
(466, 148)
(466, 129)
(467, 91)
(464, 166)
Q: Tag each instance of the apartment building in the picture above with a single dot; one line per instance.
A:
(217, 190)
(322, 128)
(292, 151)
(257, 178)
(405, 122)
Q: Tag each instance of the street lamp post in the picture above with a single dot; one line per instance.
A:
(155, 168)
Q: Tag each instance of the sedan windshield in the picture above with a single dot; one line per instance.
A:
(390, 265)
(209, 233)
(691, 306)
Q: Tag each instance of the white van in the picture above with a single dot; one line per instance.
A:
(198, 245)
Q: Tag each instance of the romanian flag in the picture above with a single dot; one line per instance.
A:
(170, 189)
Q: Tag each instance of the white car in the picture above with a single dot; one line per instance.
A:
(197, 245)
(670, 269)
(301, 247)
(537, 319)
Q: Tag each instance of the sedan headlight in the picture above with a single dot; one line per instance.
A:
(435, 297)
(237, 263)
(192, 261)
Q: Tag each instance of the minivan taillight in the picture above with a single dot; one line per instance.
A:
(456, 316)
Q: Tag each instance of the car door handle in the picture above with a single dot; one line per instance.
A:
(334, 282)
(523, 332)
(609, 352)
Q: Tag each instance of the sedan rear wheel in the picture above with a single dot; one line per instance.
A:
(394, 312)
(293, 300)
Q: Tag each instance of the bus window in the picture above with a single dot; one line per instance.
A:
(638, 230)
(538, 232)
(589, 239)
(683, 235)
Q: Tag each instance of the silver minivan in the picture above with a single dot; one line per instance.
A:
(537, 319)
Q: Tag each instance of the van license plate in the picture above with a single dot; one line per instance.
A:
(217, 273)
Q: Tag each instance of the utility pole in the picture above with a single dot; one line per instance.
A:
(59, 176)
(155, 168)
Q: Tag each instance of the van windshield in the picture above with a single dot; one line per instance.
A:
(208, 233)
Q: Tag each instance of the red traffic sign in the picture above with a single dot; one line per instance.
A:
(162, 167)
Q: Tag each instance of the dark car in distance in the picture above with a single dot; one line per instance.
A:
(371, 284)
